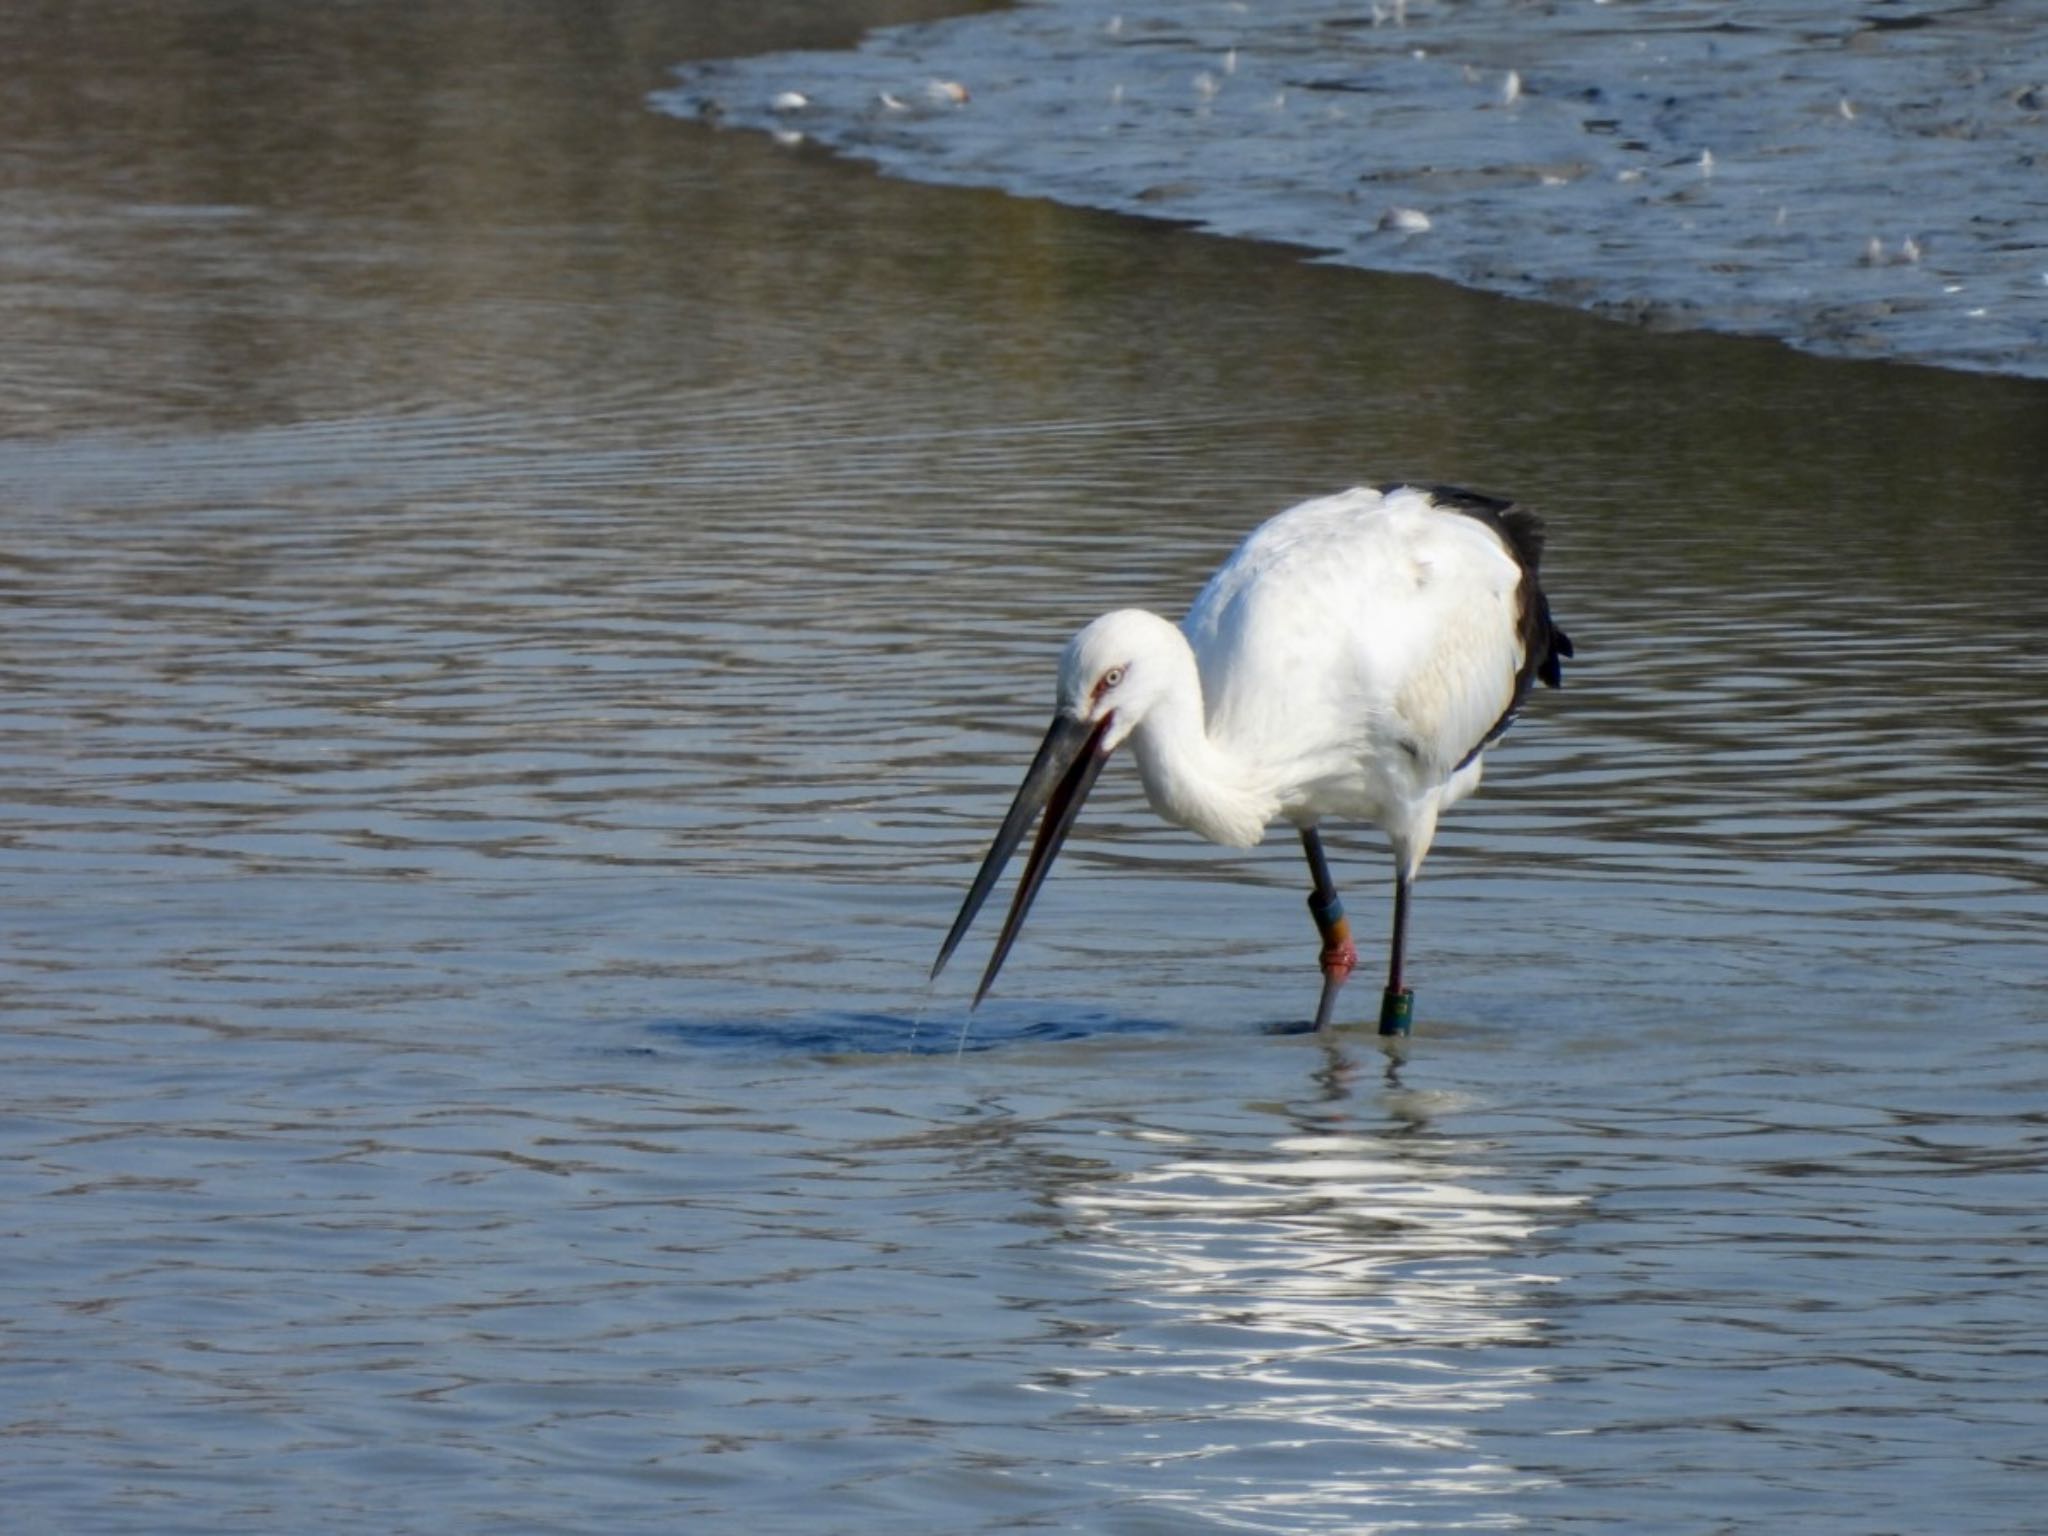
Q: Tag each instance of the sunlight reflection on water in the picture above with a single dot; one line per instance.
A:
(1333, 1304)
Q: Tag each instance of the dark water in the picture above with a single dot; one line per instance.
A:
(521, 613)
(1864, 181)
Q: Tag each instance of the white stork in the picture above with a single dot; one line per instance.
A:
(1354, 658)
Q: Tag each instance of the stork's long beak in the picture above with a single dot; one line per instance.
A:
(1060, 777)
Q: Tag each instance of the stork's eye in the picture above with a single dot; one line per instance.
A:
(1112, 677)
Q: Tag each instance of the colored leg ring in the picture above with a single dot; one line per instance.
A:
(1397, 1011)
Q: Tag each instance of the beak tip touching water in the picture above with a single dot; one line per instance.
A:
(1058, 781)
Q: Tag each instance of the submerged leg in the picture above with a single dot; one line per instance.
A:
(1397, 1007)
(1327, 908)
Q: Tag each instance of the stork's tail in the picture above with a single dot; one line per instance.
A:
(1520, 531)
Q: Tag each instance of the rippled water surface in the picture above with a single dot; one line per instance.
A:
(522, 614)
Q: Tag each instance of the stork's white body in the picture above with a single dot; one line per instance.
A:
(1351, 655)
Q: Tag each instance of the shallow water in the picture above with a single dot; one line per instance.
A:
(1856, 181)
(523, 613)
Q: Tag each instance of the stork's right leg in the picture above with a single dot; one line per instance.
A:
(1339, 955)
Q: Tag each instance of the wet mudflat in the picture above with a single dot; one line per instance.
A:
(1856, 181)
(523, 611)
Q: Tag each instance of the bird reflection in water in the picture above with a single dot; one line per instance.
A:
(1312, 1325)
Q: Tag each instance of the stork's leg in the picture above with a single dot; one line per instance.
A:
(1327, 908)
(1397, 1007)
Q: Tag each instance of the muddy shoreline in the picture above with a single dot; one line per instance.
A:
(1869, 186)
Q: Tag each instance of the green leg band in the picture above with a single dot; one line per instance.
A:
(1397, 1011)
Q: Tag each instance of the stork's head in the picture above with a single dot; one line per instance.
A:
(1115, 669)
(1111, 675)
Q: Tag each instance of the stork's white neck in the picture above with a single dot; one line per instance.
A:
(1190, 778)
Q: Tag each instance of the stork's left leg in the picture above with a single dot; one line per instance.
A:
(1327, 908)
(1397, 1004)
